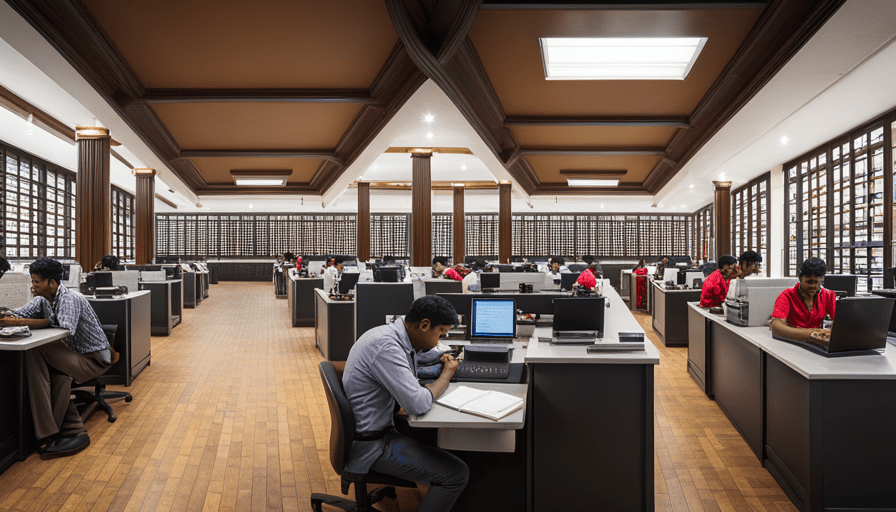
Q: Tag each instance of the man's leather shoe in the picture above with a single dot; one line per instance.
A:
(44, 443)
(65, 446)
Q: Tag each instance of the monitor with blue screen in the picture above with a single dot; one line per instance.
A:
(493, 318)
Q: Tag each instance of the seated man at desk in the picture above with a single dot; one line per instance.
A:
(747, 265)
(800, 311)
(715, 288)
(557, 267)
(333, 273)
(380, 370)
(82, 356)
(472, 279)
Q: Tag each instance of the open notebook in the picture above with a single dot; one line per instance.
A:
(488, 404)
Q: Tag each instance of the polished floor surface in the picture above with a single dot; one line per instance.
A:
(231, 416)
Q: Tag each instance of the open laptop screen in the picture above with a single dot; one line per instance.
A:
(579, 314)
(493, 318)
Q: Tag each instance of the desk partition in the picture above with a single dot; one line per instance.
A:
(373, 301)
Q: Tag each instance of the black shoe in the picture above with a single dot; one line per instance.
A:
(42, 444)
(65, 446)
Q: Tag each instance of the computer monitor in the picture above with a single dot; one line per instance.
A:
(348, 280)
(504, 268)
(103, 279)
(390, 274)
(66, 272)
(577, 267)
(569, 279)
(841, 283)
(493, 318)
(579, 314)
(670, 274)
(489, 280)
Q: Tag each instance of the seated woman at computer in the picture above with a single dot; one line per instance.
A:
(800, 311)
(747, 265)
(715, 288)
(439, 264)
(586, 280)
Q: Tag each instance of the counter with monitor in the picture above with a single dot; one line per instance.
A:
(300, 297)
(334, 326)
(669, 309)
(821, 425)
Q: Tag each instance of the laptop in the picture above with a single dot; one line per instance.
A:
(860, 328)
(493, 321)
(578, 320)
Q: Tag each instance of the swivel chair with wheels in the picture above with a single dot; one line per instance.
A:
(89, 400)
(342, 434)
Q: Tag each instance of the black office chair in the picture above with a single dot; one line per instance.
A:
(87, 399)
(342, 434)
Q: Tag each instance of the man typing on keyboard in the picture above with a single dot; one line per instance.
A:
(381, 370)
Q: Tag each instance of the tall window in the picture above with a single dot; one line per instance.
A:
(123, 217)
(38, 205)
(839, 200)
(704, 229)
(749, 213)
(442, 235)
(481, 234)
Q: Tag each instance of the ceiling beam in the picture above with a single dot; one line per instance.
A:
(622, 5)
(593, 151)
(166, 201)
(562, 189)
(322, 154)
(256, 95)
(670, 122)
(436, 185)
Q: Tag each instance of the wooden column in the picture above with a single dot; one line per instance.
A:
(459, 240)
(723, 218)
(421, 209)
(93, 202)
(505, 240)
(363, 221)
(145, 222)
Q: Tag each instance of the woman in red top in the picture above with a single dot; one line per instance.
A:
(641, 271)
(799, 311)
(715, 288)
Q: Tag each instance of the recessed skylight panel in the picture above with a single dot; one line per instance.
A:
(620, 58)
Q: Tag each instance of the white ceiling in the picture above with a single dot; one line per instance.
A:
(840, 79)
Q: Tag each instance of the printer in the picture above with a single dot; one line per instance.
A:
(750, 301)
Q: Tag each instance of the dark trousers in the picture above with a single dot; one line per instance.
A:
(445, 474)
(50, 393)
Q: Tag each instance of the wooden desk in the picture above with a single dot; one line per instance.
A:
(300, 295)
(167, 300)
(16, 427)
(670, 313)
(821, 426)
(133, 339)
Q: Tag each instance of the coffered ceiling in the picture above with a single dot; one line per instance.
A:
(219, 85)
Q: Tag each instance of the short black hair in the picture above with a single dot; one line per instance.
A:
(438, 310)
(110, 261)
(4, 266)
(813, 267)
(440, 259)
(47, 268)
(727, 260)
(478, 264)
(338, 260)
(750, 257)
(557, 259)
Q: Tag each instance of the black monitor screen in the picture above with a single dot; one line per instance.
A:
(579, 314)
(841, 283)
(66, 272)
(348, 281)
(386, 274)
(489, 280)
(103, 279)
(567, 280)
(495, 318)
(577, 267)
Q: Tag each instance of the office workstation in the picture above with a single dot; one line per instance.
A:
(388, 145)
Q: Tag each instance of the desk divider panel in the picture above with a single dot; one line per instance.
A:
(436, 286)
(373, 301)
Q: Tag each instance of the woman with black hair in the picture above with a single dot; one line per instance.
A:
(715, 288)
(800, 311)
(641, 289)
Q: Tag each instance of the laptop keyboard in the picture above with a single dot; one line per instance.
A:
(466, 370)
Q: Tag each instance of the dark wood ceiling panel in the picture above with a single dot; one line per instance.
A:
(216, 171)
(256, 125)
(592, 136)
(238, 44)
(548, 167)
(507, 43)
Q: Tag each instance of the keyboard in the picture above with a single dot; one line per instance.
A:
(468, 371)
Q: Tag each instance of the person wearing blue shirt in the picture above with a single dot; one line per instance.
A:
(381, 370)
(85, 354)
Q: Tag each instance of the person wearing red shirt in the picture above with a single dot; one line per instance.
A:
(641, 271)
(715, 288)
(799, 311)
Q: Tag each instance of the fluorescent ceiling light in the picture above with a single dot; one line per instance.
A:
(255, 178)
(619, 58)
(591, 182)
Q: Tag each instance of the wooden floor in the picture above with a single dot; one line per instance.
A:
(231, 416)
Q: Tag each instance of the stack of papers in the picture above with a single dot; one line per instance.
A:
(15, 332)
(488, 404)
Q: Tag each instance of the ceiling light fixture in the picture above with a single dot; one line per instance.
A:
(429, 118)
(463, 167)
(592, 178)
(255, 178)
(691, 185)
(619, 58)
(784, 139)
(429, 135)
